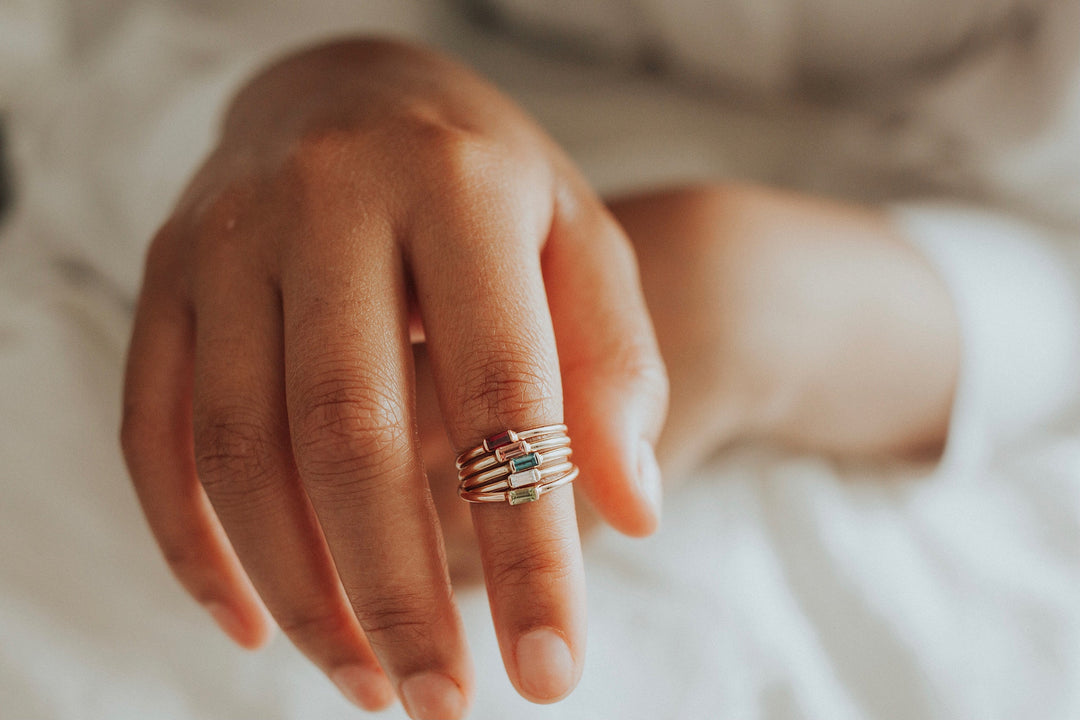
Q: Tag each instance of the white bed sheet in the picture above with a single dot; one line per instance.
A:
(781, 586)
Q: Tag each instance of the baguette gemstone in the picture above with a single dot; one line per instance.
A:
(508, 452)
(523, 495)
(525, 462)
(500, 439)
(523, 478)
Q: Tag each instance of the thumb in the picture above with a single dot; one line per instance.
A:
(615, 387)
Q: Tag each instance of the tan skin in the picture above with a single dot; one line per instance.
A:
(366, 193)
(727, 271)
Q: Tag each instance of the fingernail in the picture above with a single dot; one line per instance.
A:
(364, 687)
(432, 696)
(545, 666)
(228, 621)
(649, 481)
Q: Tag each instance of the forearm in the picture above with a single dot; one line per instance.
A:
(811, 324)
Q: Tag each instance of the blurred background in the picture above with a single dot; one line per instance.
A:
(816, 589)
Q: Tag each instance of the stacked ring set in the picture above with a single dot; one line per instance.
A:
(516, 467)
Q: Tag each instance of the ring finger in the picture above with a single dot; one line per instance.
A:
(481, 294)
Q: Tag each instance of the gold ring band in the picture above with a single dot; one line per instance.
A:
(502, 482)
(518, 496)
(502, 454)
(490, 443)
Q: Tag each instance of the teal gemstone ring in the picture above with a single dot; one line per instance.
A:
(503, 456)
(533, 461)
(509, 437)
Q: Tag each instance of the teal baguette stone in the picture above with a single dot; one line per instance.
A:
(525, 462)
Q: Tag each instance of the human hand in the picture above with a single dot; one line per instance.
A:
(362, 193)
(793, 320)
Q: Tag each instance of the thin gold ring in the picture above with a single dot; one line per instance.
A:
(518, 496)
(504, 470)
(534, 476)
(486, 462)
(507, 437)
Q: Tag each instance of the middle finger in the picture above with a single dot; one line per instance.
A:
(349, 389)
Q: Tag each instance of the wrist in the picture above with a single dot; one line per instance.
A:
(794, 321)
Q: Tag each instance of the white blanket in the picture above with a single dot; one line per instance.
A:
(781, 586)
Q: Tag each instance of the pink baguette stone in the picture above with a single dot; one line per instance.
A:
(509, 452)
(500, 439)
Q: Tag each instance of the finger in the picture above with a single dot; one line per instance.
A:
(245, 464)
(350, 394)
(615, 385)
(493, 355)
(157, 440)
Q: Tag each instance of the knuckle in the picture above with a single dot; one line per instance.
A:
(461, 163)
(214, 219)
(507, 385)
(326, 153)
(453, 154)
(347, 430)
(473, 186)
(231, 445)
(220, 232)
(401, 617)
(636, 365)
(310, 624)
(540, 564)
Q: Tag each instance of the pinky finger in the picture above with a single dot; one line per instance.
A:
(156, 437)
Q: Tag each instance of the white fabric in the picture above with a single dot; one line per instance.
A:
(812, 590)
(765, 45)
(1015, 293)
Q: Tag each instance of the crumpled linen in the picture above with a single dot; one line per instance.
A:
(781, 586)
